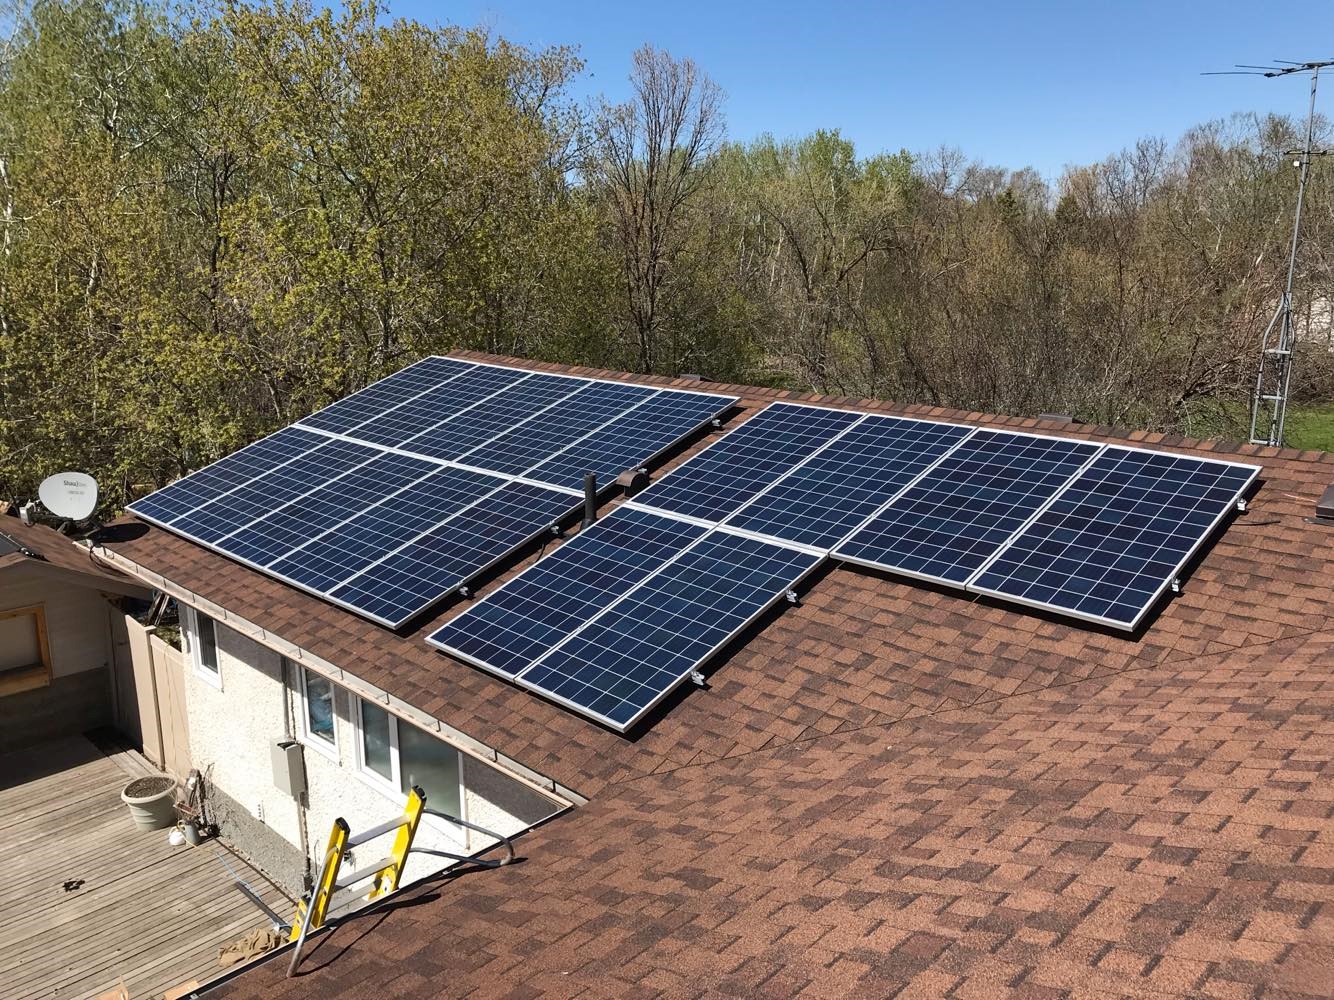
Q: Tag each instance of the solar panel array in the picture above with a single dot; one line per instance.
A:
(617, 618)
(388, 500)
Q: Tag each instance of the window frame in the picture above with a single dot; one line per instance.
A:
(34, 675)
(200, 670)
(393, 787)
(304, 734)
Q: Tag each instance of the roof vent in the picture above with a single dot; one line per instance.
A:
(1324, 507)
(691, 377)
(1060, 418)
(632, 481)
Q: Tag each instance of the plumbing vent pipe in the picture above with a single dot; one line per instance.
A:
(590, 498)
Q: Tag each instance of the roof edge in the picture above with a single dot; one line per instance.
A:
(460, 740)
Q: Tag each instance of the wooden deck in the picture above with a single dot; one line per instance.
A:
(145, 914)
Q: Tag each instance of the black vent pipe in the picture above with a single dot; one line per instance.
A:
(590, 498)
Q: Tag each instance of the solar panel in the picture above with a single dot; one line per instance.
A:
(495, 415)
(280, 531)
(388, 392)
(393, 426)
(214, 520)
(558, 427)
(8, 546)
(226, 474)
(963, 510)
(439, 562)
(531, 613)
(728, 473)
(633, 439)
(620, 664)
(1112, 541)
(338, 554)
(325, 506)
(825, 498)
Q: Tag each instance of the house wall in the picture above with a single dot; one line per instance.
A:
(77, 626)
(232, 731)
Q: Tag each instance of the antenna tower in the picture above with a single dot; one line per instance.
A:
(1269, 407)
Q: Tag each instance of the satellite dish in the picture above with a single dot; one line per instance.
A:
(69, 494)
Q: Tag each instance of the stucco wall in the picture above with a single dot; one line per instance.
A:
(231, 732)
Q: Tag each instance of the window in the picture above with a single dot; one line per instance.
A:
(396, 755)
(25, 658)
(203, 641)
(315, 714)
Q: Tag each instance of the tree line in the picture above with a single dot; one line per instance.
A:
(214, 220)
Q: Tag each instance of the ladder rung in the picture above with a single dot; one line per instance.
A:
(1278, 352)
(364, 873)
(375, 831)
(1271, 399)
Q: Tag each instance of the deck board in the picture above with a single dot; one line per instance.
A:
(148, 914)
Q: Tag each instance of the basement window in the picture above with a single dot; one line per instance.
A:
(394, 755)
(25, 656)
(202, 638)
(315, 716)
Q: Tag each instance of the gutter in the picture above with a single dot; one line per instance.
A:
(456, 738)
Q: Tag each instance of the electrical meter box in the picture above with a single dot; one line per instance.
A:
(289, 767)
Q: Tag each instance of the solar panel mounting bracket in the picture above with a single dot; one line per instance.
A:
(697, 678)
(1242, 505)
(791, 596)
(1176, 584)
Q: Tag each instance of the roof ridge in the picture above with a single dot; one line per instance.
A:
(1113, 432)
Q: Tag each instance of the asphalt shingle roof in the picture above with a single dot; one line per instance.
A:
(893, 786)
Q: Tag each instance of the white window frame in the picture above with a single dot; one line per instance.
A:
(303, 734)
(212, 677)
(392, 787)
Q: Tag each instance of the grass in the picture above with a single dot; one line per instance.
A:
(1311, 427)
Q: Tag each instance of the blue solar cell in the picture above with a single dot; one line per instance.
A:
(391, 427)
(442, 560)
(236, 469)
(530, 614)
(339, 554)
(497, 414)
(380, 396)
(634, 439)
(630, 656)
(837, 489)
(276, 534)
(739, 465)
(961, 512)
(1112, 542)
(215, 520)
(559, 426)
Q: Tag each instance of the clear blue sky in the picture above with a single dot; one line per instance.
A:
(1014, 84)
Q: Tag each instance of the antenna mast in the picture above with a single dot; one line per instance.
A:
(1269, 408)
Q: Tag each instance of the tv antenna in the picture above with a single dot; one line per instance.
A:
(1269, 407)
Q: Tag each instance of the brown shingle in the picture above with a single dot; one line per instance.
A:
(894, 787)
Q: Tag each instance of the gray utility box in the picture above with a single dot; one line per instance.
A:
(289, 767)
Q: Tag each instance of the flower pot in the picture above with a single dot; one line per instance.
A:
(152, 801)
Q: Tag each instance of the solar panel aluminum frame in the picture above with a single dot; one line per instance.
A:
(624, 727)
(927, 577)
(1149, 605)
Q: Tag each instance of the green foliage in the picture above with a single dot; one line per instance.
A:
(214, 220)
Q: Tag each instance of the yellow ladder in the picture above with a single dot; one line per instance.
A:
(384, 873)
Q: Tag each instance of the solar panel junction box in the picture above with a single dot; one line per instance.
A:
(289, 767)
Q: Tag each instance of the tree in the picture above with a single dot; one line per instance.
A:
(649, 160)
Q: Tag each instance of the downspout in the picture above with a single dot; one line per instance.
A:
(289, 732)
